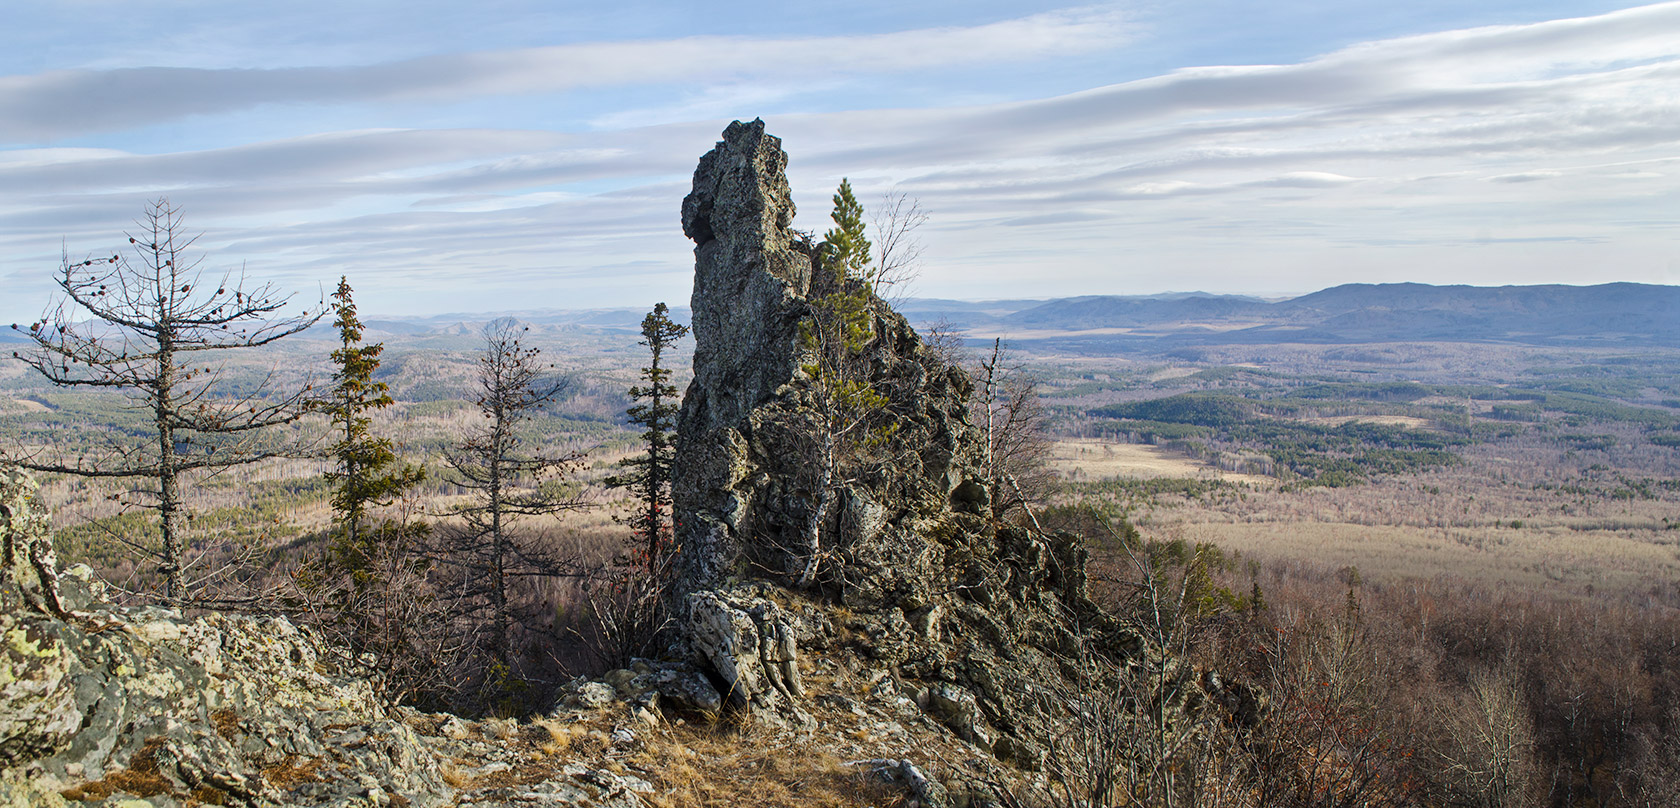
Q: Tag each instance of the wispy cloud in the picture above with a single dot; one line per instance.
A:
(69, 102)
(1543, 147)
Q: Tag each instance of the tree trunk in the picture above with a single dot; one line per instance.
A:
(353, 504)
(819, 513)
(169, 493)
(655, 473)
(498, 549)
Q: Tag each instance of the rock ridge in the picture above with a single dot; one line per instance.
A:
(974, 619)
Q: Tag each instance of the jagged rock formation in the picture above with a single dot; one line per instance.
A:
(970, 618)
(751, 273)
(141, 707)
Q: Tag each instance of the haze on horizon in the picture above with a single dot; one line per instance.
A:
(527, 155)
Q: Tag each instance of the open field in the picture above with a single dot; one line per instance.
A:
(1552, 471)
(1077, 459)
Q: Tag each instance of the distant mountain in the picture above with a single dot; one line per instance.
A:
(1628, 314)
(1131, 312)
(1611, 314)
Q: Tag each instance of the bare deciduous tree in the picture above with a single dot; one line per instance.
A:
(1012, 422)
(898, 249)
(507, 481)
(143, 325)
(1489, 762)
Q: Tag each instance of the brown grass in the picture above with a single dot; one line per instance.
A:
(226, 723)
(722, 767)
(292, 771)
(140, 779)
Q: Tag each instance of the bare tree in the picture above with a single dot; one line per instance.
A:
(392, 615)
(1012, 421)
(898, 249)
(506, 480)
(1489, 762)
(1140, 730)
(154, 315)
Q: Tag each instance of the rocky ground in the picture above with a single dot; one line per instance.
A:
(118, 706)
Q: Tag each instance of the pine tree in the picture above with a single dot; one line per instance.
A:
(845, 247)
(367, 474)
(850, 409)
(372, 585)
(649, 474)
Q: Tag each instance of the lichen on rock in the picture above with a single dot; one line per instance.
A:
(143, 707)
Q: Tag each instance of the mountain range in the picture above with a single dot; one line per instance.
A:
(1627, 314)
(1608, 314)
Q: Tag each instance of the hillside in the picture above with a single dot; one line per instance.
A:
(1252, 573)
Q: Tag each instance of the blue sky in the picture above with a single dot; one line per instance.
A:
(511, 155)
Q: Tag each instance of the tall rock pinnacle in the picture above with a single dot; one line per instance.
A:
(750, 274)
(973, 609)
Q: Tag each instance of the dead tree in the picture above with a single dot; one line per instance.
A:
(149, 325)
(507, 481)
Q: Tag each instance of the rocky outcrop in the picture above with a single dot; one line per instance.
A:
(971, 617)
(752, 644)
(751, 275)
(139, 707)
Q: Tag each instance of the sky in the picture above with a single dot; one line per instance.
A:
(522, 154)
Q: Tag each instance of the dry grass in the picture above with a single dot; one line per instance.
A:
(1513, 513)
(292, 771)
(726, 767)
(1556, 559)
(1410, 422)
(1172, 373)
(226, 723)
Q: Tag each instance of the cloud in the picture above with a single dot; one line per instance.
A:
(1395, 155)
(64, 103)
(1527, 176)
(1305, 179)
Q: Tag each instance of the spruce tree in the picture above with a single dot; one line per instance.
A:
(367, 473)
(649, 474)
(845, 248)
